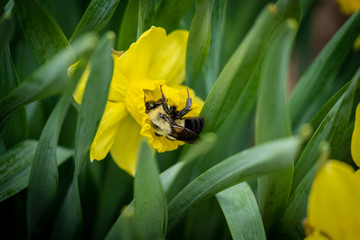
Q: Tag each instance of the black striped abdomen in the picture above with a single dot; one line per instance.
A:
(195, 124)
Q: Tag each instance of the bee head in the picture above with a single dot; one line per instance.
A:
(150, 105)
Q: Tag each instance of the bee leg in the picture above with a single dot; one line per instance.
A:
(187, 109)
(163, 101)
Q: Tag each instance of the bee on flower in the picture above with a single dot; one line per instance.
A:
(150, 71)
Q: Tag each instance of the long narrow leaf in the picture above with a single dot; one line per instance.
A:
(331, 130)
(92, 108)
(97, 15)
(199, 41)
(239, 69)
(7, 27)
(212, 65)
(68, 222)
(170, 12)
(146, 14)
(310, 93)
(69, 219)
(44, 173)
(290, 224)
(40, 29)
(149, 198)
(43, 179)
(16, 129)
(15, 165)
(125, 226)
(240, 167)
(241, 212)
(273, 122)
(48, 80)
(128, 29)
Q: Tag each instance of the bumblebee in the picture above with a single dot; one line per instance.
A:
(169, 122)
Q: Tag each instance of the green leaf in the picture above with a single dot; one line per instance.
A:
(251, 163)
(170, 177)
(290, 224)
(68, 222)
(241, 212)
(129, 24)
(92, 108)
(146, 14)
(321, 114)
(125, 226)
(238, 71)
(273, 122)
(16, 129)
(149, 198)
(50, 79)
(112, 198)
(43, 179)
(40, 29)
(331, 130)
(314, 87)
(212, 66)
(101, 69)
(15, 166)
(170, 12)
(199, 41)
(7, 27)
(97, 15)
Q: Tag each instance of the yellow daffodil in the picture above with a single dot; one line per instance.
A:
(155, 60)
(348, 7)
(334, 201)
(355, 141)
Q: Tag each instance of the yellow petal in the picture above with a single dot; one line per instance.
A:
(355, 141)
(108, 128)
(348, 7)
(80, 88)
(333, 206)
(169, 62)
(119, 82)
(316, 236)
(126, 146)
(136, 61)
(356, 46)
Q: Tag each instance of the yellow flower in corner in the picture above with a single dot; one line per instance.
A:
(334, 201)
(155, 61)
(349, 7)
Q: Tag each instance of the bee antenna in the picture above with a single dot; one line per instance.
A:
(188, 92)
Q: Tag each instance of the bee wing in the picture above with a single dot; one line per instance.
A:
(183, 134)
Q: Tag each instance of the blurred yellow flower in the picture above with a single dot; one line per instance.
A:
(355, 141)
(155, 59)
(348, 7)
(334, 201)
